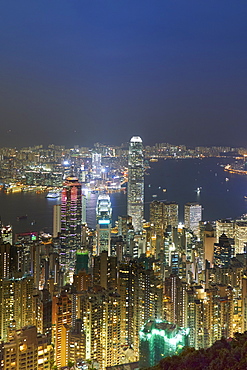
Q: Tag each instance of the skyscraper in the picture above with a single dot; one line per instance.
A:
(157, 218)
(71, 222)
(61, 323)
(192, 216)
(170, 214)
(100, 313)
(103, 228)
(56, 220)
(141, 300)
(27, 350)
(135, 195)
(96, 165)
(222, 252)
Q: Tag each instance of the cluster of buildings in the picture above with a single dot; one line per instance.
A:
(101, 166)
(119, 295)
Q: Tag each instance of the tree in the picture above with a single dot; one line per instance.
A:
(91, 364)
(70, 364)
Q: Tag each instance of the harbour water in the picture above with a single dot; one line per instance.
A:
(221, 194)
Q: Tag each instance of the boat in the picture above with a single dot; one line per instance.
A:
(227, 179)
(153, 159)
(53, 194)
(154, 195)
(164, 190)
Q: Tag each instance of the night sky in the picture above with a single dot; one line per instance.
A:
(77, 72)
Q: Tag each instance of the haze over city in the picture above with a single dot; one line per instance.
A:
(78, 72)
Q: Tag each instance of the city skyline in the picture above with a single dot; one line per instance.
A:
(106, 295)
(123, 176)
(105, 71)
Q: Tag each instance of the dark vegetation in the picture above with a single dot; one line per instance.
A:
(225, 354)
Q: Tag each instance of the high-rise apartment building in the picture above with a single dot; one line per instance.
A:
(157, 218)
(209, 314)
(208, 240)
(5, 259)
(77, 342)
(163, 214)
(61, 325)
(141, 300)
(105, 271)
(192, 216)
(225, 226)
(100, 313)
(222, 252)
(16, 304)
(135, 194)
(240, 236)
(27, 350)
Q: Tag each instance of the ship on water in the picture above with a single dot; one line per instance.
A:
(53, 194)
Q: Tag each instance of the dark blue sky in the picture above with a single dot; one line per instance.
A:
(78, 72)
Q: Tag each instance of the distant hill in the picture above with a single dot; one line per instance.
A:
(230, 354)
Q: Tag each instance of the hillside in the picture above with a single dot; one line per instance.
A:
(224, 354)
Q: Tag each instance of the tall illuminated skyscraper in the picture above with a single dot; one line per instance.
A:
(135, 195)
(61, 323)
(157, 218)
(71, 222)
(192, 216)
(170, 214)
(96, 165)
(104, 222)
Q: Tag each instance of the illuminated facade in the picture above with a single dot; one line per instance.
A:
(159, 339)
(170, 214)
(96, 165)
(141, 300)
(124, 225)
(135, 194)
(225, 226)
(105, 271)
(209, 314)
(5, 258)
(100, 313)
(240, 236)
(61, 325)
(56, 220)
(7, 234)
(77, 342)
(104, 221)
(192, 216)
(222, 252)
(157, 218)
(27, 350)
(162, 215)
(71, 223)
(16, 304)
